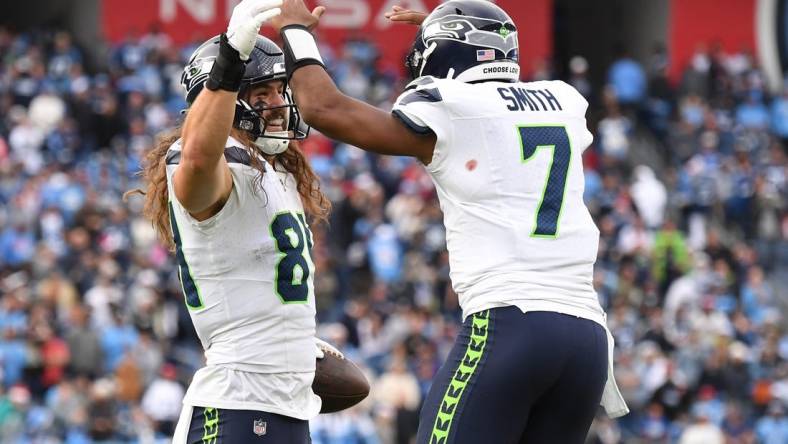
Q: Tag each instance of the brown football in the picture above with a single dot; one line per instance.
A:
(339, 383)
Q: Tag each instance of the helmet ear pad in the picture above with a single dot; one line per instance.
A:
(414, 61)
(247, 119)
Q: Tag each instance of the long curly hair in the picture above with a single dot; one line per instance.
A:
(154, 172)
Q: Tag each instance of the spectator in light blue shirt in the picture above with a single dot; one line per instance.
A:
(17, 245)
(753, 114)
(385, 254)
(13, 351)
(628, 80)
(773, 429)
(780, 114)
(347, 427)
(116, 340)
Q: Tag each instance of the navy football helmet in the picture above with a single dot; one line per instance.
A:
(466, 40)
(266, 63)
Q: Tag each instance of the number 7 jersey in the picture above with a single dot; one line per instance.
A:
(508, 171)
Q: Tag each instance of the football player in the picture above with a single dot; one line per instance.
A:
(533, 359)
(232, 193)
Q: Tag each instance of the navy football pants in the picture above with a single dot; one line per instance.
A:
(513, 378)
(222, 426)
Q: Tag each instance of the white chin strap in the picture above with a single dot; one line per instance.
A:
(273, 146)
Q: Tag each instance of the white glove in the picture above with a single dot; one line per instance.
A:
(245, 23)
(322, 347)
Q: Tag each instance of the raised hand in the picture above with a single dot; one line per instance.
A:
(295, 12)
(245, 23)
(407, 16)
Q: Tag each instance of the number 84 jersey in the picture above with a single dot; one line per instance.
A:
(508, 171)
(247, 278)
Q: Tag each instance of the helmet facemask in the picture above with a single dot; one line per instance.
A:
(271, 127)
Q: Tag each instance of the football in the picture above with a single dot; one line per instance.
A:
(339, 383)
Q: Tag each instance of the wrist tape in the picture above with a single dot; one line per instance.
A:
(228, 68)
(300, 48)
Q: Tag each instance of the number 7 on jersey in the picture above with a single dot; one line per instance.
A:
(556, 139)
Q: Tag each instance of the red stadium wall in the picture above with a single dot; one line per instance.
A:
(190, 20)
(694, 22)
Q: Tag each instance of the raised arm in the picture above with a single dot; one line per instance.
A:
(203, 181)
(203, 178)
(325, 108)
(343, 118)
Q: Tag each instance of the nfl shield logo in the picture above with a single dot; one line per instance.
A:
(260, 427)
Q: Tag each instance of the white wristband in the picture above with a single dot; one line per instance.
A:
(302, 44)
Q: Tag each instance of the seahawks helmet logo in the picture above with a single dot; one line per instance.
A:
(475, 31)
(453, 29)
(196, 72)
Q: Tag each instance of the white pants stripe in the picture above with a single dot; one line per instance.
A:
(181, 434)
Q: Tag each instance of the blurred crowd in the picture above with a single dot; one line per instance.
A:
(686, 181)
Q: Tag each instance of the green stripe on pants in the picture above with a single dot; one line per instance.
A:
(211, 425)
(468, 365)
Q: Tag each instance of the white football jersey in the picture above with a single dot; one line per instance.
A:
(247, 278)
(508, 171)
